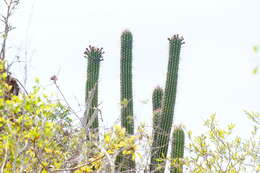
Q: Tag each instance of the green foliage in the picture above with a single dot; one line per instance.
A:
(37, 136)
(32, 131)
(219, 150)
(94, 56)
(177, 150)
(162, 140)
(255, 70)
(256, 49)
(254, 116)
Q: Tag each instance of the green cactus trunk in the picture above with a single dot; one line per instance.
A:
(127, 120)
(163, 138)
(94, 56)
(157, 97)
(157, 104)
(178, 139)
(125, 162)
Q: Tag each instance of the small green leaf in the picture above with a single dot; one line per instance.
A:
(255, 70)
(145, 101)
(37, 80)
(256, 49)
(4, 36)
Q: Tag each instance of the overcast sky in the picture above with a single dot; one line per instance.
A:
(216, 61)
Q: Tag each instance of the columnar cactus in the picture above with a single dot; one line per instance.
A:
(157, 104)
(163, 101)
(162, 140)
(127, 120)
(94, 56)
(178, 139)
(127, 117)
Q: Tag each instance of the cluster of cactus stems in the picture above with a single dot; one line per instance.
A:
(162, 137)
(94, 56)
(163, 103)
(178, 139)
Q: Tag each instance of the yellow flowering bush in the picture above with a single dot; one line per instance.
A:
(218, 150)
(30, 130)
(36, 135)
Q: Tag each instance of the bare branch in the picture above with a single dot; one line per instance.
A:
(10, 7)
(80, 166)
(5, 159)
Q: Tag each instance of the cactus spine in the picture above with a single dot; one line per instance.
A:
(94, 56)
(177, 149)
(162, 140)
(126, 95)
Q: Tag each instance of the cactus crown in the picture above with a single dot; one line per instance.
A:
(94, 53)
(126, 43)
(176, 38)
(127, 33)
(178, 127)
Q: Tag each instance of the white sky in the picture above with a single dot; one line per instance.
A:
(216, 61)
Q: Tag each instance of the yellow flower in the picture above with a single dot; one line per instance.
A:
(107, 138)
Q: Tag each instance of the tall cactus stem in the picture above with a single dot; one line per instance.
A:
(94, 56)
(163, 138)
(126, 96)
(127, 120)
(157, 97)
(157, 104)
